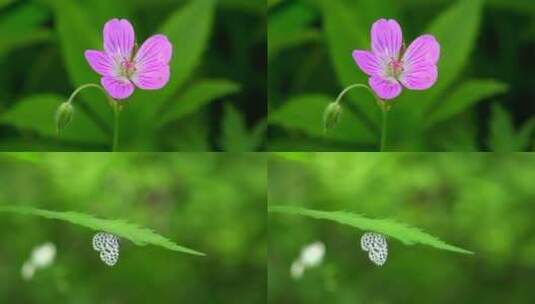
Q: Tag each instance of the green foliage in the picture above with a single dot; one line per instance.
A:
(195, 199)
(235, 136)
(504, 137)
(139, 236)
(469, 73)
(305, 113)
(477, 201)
(202, 70)
(25, 116)
(406, 234)
(197, 95)
(466, 95)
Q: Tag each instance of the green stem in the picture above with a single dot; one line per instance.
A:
(113, 103)
(356, 85)
(116, 114)
(384, 108)
(383, 129)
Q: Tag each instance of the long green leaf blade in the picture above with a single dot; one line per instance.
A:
(406, 234)
(139, 236)
(467, 94)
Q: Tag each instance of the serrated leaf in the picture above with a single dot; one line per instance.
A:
(36, 113)
(138, 235)
(406, 234)
(464, 96)
(196, 96)
(305, 113)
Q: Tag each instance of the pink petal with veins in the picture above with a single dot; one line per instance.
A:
(118, 88)
(100, 62)
(386, 38)
(152, 63)
(367, 62)
(419, 63)
(385, 88)
(119, 38)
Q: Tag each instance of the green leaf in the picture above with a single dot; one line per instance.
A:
(21, 27)
(464, 96)
(77, 34)
(36, 113)
(196, 96)
(188, 30)
(138, 235)
(503, 137)
(305, 113)
(456, 30)
(406, 234)
(290, 27)
(236, 137)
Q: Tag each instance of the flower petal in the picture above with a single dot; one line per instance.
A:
(152, 79)
(423, 50)
(152, 63)
(419, 76)
(118, 88)
(386, 38)
(155, 49)
(119, 38)
(100, 62)
(385, 88)
(367, 62)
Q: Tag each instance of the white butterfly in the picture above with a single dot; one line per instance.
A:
(108, 245)
(376, 246)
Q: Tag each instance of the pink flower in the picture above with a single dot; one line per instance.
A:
(121, 69)
(388, 66)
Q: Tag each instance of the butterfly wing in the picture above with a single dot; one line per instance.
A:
(108, 245)
(376, 246)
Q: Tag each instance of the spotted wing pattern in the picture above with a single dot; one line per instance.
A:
(108, 246)
(376, 246)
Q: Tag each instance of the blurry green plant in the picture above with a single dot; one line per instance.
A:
(406, 234)
(139, 236)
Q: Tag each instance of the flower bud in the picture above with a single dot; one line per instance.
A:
(331, 116)
(64, 116)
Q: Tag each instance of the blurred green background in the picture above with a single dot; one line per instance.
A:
(197, 200)
(480, 202)
(483, 99)
(215, 99)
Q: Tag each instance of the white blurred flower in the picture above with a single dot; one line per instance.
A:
(43, 255)
(27, 271)
(297, 269)
(312, 255)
